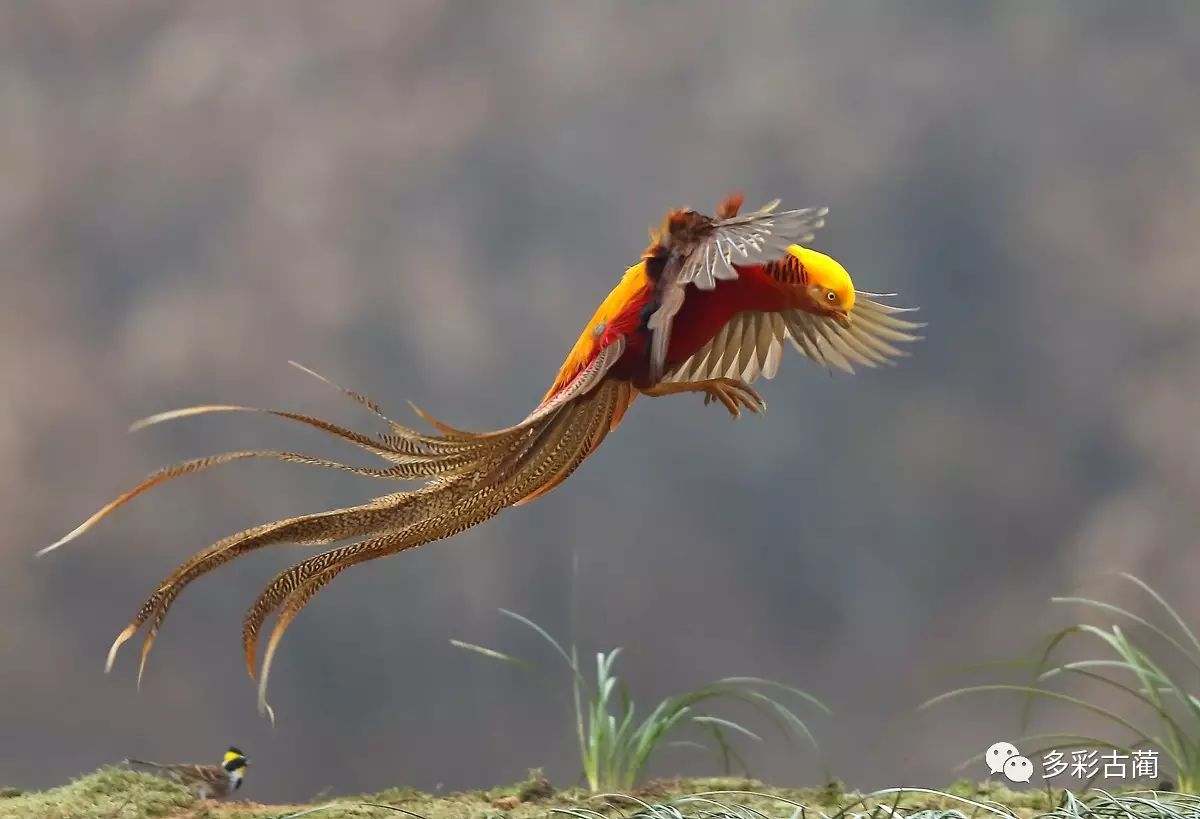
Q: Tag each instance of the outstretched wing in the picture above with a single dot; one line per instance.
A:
(751, 343)
(747, 239)
(755, 237)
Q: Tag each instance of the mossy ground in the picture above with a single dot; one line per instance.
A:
(116, 793)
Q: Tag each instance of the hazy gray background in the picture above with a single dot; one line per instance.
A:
(426, 201)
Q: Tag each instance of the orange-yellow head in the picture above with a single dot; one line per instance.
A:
(829, 285)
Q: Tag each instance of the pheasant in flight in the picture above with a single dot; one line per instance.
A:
(707, 309)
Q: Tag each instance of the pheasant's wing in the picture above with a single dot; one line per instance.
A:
(751, 343)
(748, 239)
(865, 339)
(754, 237)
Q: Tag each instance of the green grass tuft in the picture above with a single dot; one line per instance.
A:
(1141, 669)
(615, 748)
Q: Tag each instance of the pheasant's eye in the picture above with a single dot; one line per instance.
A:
(830, 296)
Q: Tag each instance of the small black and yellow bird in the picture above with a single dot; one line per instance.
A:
(205, 781)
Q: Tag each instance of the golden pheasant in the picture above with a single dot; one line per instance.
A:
(707, 309)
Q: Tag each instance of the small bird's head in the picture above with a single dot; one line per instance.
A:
(828, 284)
(235, 763)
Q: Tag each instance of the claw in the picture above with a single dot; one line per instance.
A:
(734, 394)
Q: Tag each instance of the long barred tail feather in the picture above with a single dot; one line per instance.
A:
(552, 450)
(315, 529)
(417, 456)
(400, 445)
(400, 472)
(449, 431)
(469, 477)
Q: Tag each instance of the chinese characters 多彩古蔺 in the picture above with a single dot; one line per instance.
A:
(1088, 764)
(1083, 764)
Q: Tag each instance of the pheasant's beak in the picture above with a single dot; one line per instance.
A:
(842, 317)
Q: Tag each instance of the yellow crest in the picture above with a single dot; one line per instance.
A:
(825, 271)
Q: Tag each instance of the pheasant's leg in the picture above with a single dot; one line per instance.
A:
(732, 392)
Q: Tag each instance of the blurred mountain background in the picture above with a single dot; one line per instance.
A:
(426, 201)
